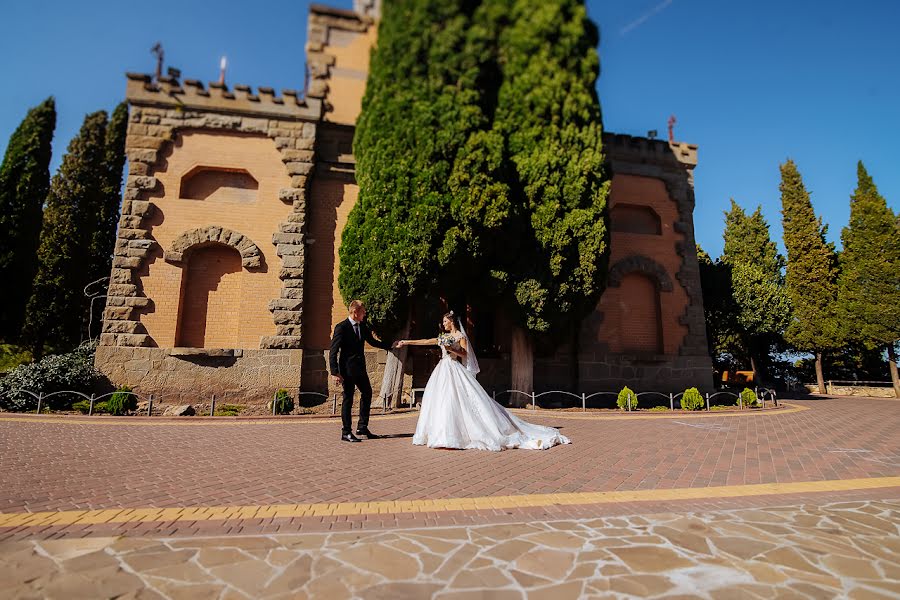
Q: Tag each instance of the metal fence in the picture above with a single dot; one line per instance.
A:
(632, 403)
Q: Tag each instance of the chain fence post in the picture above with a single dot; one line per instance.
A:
(91, 407)
(212, 405)
(583, 402)
(707, 400)
(274, 398)
(628, 400)
(150, 406)
(334, 403)
(40, 401)
(671, 401)
(740, 402)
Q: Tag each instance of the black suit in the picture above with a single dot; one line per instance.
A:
(347, 358)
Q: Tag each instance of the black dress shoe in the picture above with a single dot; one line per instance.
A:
(367, 434)
(349, 437)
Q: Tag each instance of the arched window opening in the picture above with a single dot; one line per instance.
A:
(633, 218)
(217, 183)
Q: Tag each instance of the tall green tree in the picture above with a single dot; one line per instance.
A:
(421, 126)
(24, 183)
(106, 213)
(54, 314)
(720, 309)
(104, 216)
(549, 114)
(869, 282)
(811, 279)
(757, 279)
(480, 162)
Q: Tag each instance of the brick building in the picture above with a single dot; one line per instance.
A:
(225, 270)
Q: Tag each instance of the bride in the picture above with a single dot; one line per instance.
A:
(458, 413)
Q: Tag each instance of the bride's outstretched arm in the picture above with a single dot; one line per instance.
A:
(428, 342)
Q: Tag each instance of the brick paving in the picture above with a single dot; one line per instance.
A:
(655, 486)
(68, 465)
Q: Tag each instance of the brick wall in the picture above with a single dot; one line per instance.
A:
(330, 202)
(211, 300)
(628, 310)
(244, 292)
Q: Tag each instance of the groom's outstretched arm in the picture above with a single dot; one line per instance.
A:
(335, 348)
(373, 342)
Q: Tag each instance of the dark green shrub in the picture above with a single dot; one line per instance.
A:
(12, 356)
(284, 404)
(692, 399)
(748, 398)
(228, 410)
(121, 401)
(622, 401)
(71, 371)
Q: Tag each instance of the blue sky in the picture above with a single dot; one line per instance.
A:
(752, 83)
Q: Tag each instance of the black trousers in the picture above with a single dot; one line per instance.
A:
(365, 402)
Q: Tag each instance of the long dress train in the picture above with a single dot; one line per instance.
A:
(458, 413)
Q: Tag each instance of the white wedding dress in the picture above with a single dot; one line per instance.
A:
(458, 413)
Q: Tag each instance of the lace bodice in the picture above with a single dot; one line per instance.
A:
(449, 340)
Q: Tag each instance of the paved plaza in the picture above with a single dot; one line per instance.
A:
(801, 502)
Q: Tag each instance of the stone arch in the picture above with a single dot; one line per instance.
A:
(640, 264)
(251, 257)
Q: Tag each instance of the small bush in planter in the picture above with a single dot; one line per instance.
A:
(229, 410)
(84, 407)
(659, 408)
(622, 400)
(284, 404)
(121, 401)
(692, 399)
(748, 398)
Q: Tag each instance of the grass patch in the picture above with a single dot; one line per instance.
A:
(658, 409)
(228, 410)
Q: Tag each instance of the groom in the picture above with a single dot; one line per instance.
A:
(347, 360)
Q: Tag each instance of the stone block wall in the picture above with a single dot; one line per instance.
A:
(177, 376)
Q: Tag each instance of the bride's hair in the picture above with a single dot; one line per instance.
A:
(450, 315)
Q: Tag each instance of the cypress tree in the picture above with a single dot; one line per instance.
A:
(480, 160)
(104, 215)
(811, 280)
(419, 149)
(54, 313)
(549, 113)
(24, 183)
(758, 284)
(869, 282)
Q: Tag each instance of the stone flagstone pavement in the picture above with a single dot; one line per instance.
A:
(798, 503)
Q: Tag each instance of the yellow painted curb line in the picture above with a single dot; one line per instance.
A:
(151, 422)
(284, 511)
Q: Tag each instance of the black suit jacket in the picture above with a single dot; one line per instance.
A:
(347, 357)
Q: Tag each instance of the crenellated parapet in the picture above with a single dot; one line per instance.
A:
(634, 149)
(141, 90)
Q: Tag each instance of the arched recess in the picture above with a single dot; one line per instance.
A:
(641, 281)
(640, 264)
(634, 218)
(640, 329)
(218, 183)
(209, 302)
(187, 242)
